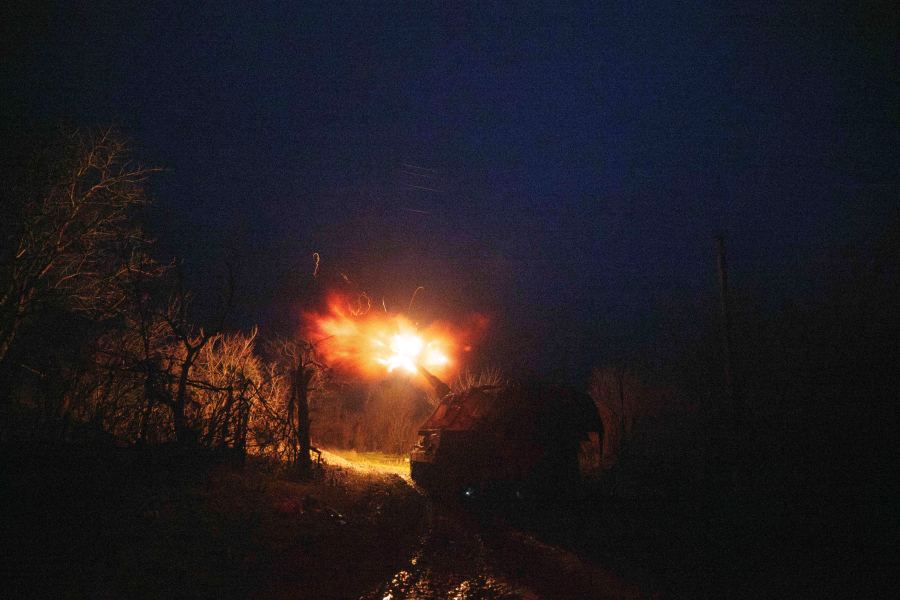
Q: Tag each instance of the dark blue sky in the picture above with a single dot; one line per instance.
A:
(561, 169)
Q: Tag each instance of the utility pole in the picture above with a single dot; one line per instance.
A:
(726, 318)
(620, 372)
(733, 403)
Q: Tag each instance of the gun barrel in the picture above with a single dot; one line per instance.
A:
(440, 388)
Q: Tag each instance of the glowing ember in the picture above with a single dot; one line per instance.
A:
(374, 342)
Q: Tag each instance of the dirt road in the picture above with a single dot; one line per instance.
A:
(462, 556)
(465, 552)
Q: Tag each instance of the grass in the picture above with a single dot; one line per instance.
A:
(376, 462)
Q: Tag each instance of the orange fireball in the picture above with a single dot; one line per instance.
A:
(352, 335)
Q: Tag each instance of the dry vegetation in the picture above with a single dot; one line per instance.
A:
(99, 341)
(382, 416)
(468, 379)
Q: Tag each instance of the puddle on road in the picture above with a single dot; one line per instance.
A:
(462, 559)
(451, 562)
(412, 585)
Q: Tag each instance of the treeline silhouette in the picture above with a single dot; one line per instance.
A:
(99, 342)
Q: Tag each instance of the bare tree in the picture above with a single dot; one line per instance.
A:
(612, 390)
(190, 341)
(269, 430)
(304, 374)
(231, 374)
(74, 235)
(150, 357)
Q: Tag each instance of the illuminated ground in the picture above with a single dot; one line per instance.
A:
(368, 462)
(465, 554)
(117, 524)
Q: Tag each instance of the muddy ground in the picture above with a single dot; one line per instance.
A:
(119, 523)
(122, 523)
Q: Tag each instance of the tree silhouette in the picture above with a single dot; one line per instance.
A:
(72, 238)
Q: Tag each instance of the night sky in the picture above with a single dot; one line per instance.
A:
(561, 170)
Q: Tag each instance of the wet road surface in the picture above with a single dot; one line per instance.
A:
(464, 554)
(468, 553)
